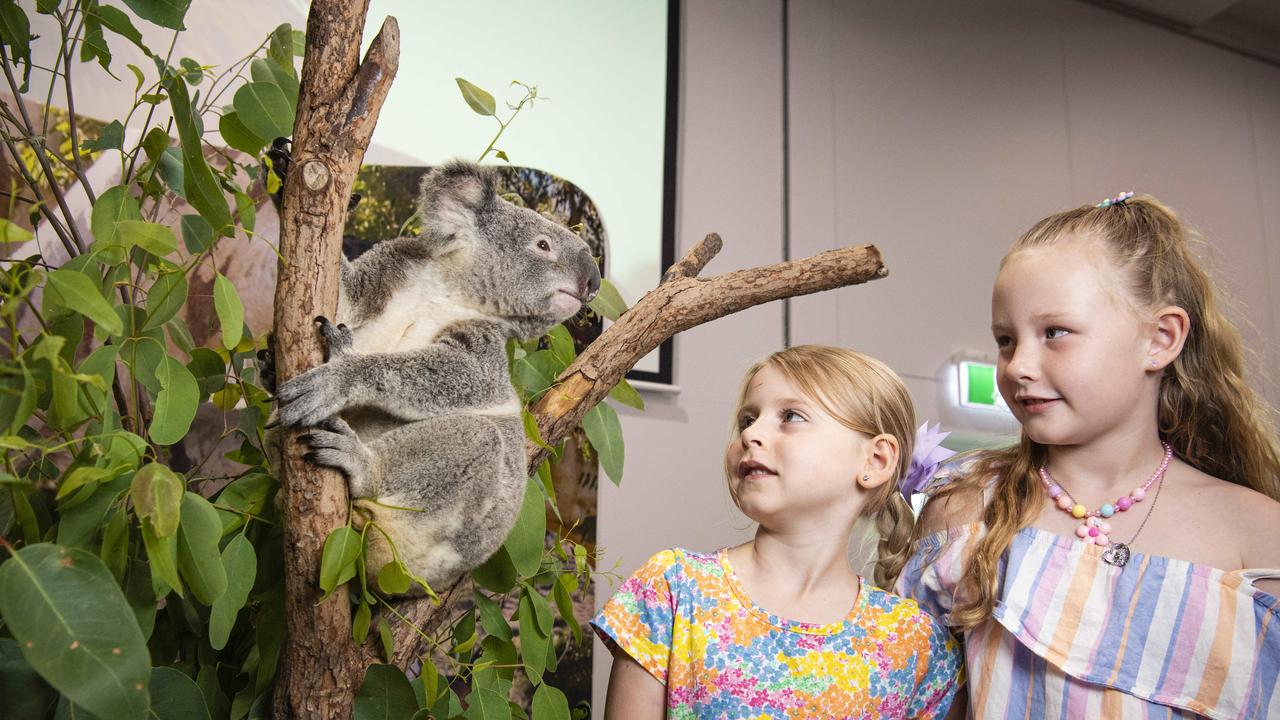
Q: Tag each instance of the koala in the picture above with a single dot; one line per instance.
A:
(414, 404)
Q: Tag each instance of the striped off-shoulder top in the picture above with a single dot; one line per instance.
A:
(1074, 637)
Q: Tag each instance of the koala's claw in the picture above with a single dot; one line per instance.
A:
(334, 444)
(337, 338)
(310, 397)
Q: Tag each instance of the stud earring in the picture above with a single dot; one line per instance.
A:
(1154, 363)
(866, 477)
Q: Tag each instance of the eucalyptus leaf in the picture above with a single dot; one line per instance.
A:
(385, 694)
(202, 191)
(165, 298)
(549, 704)
(118, 22)
(165, 13)
(533, 641)
(360, 623)
(338, 559)
(93, 44)
(176, 403)
(605, 433)
(491, 617)
(226, 303)
(624, 393)
(174, 696)
(77, 292)
(264, 109)
(564, 603)
(199, 562)
(394, 578)
(608, 301)
(17, 399)
(479, 100)
(75, 628)
(496, 574)
(525, 542)
(115, 203)
(486, 704)
(273, 72)
(25, 694)
(197, 234)
(235, 134)
(155, 238)
(15, 31)
(241, 566)
(11, 232)
(111, 138)
(162, 555)
(115, 544)
(170, 168)
(157, 497)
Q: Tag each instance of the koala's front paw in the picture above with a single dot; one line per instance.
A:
(267, 365)
(311, 397)
(337, 338)
(334, 444)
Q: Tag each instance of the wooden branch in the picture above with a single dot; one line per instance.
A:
(681, 301)
(338, 105)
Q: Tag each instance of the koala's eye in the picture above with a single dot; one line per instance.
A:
(544, 246)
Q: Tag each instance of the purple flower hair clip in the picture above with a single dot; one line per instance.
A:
(925, 459)
(1120, 199)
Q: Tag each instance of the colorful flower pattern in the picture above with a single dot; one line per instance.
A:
(684, 617)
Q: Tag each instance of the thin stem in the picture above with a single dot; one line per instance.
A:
(150, 114)
(72, 123)
(68, 241)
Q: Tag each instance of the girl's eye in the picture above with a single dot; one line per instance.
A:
(745, 422)
(544, 246)
(1004, 341)
(792, 416)
(1054, 333)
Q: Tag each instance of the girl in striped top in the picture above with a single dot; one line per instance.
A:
(1122, 560)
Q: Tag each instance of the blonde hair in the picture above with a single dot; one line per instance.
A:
(863, 395)
(1206, 412)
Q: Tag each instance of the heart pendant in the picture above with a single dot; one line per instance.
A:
(1117, 554)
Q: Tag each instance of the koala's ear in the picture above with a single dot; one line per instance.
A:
(452, 196)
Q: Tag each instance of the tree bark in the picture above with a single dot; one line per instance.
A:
(338, 105)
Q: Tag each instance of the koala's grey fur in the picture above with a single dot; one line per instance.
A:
(415, 405)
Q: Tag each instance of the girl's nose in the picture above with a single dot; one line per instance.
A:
(1022, 365)
(753, 434)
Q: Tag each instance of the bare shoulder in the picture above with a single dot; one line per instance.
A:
(952, 506)
(1250, 518)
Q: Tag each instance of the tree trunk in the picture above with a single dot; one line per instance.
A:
(338, 106)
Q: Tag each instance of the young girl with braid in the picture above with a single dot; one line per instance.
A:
(1123, 560)
(781, 627)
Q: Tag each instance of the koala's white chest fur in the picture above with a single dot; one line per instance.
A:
(412, 317)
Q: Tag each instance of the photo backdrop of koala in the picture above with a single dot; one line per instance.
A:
(388, 199)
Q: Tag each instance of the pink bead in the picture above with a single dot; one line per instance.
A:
(1138, 494)
(1065, 502)
(1093, 532)
(1054, 491)
(1082, 531)
(1102, 540)
(1123, 504)
(1104, 528)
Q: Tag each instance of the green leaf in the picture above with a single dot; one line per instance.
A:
(564, 603)
(175, 696)
(11, 232)
(533, 641)
(170, 168)
(528, 536)
(199, 562)
(118, 22)
(394, 578)
(111, 138)
(235, 134)
(536, 372)
(486, 704)
(157, 497)
(202, 191)
(496, 574)
(247, 494)
(280, 47)
(155, 238)
(162, 553)
(77, 292)
(385, 694)
(627, 395)
(191, 71)
(388, 642)
(226, 302)
(86, 475)
(15, 31)
(491, 617)
(246, 211)
(608, 302)
(276, 74)
(176, 402)
(17, 399)
(115, 203)
(241, 566)
(360, 623)
(264, 109)
(561, 344)
(605, 433)
(25, 694)
(165, 13)
(299, 43)
(338, 560)
(115, 544)
(100, 368)
(549, 704)
(197, 234)
(93, 44)
(479, 100)
(165, 298)
(75, 629)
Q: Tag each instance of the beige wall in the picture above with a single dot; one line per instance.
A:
(938, 131)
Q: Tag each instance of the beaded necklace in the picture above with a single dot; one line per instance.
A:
(1095, 530)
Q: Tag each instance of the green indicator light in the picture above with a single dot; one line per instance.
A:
(979, 385)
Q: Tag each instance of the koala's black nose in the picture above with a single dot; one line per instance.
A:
(589, 282)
